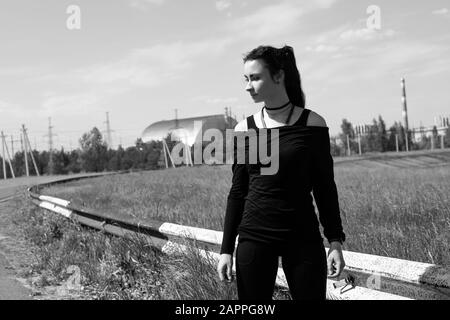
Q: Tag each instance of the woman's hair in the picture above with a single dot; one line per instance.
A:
(281, 59)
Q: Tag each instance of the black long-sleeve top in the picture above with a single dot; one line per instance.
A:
(279, 208)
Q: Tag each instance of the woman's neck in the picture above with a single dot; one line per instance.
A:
(276, 110)
(276, 102)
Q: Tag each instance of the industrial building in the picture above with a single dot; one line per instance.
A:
(441, 125)
(185, 129)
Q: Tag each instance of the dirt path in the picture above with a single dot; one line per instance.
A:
(14, 252)
(10, 287)
(12, 256)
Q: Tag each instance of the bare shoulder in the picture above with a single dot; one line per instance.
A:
(314, 119)
(241, 126)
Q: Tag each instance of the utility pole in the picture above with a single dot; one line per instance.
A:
(359, 143)
(50, 147)
(12, 146)
(27, 144)
(24, 144)
(176, 119)
(32, 156)
(108, 131)
(3, 157)
(226, 117)
(167, 153)
(405, 112)
(348, 146)
(358, 130)
(5, 146)
(396, 142)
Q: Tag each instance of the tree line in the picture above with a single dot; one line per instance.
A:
(93, 155)
(377, 138)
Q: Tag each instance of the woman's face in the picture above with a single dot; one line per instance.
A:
(259, 83)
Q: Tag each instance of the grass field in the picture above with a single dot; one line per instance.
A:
(386, 209)
(389, 207)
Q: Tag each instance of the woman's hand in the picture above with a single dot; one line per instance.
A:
(335, 260)
(224, 267)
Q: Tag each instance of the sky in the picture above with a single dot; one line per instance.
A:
(139, 60)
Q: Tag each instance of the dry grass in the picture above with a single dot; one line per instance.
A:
(399, 213)
(113, 268)
(393, 212)
(402, 213)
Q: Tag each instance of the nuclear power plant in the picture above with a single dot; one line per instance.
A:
(187, 129)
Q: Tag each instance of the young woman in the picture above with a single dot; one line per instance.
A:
(274, 214)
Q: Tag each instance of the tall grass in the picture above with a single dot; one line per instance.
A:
(194, 196)
(400, 213)
(393, 212)
(111, 267)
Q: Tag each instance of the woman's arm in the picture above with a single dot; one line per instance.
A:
(235, 207)
(236, 199)
(233, 217)
(326, 197)
(325, 191)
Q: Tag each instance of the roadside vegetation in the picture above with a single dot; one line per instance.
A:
(112, 268)
(389, 211)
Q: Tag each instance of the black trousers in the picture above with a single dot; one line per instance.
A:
(304, 265)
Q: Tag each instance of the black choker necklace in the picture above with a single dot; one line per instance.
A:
(287, 120)
(284, 105)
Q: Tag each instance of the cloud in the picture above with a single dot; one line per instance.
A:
(375, 62)
(22, 71)
(222, 5)
(323, 48)
(81, 90)
(5, 106)
(155, 65)
(345, 41)
(274, 20)
(70, 104)
(221, 100)
(143, 4)
(442, 11)
(366, 34)
(325, 4)
(9, 109)
(268, 21)
(350, 33)
(215, 100)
